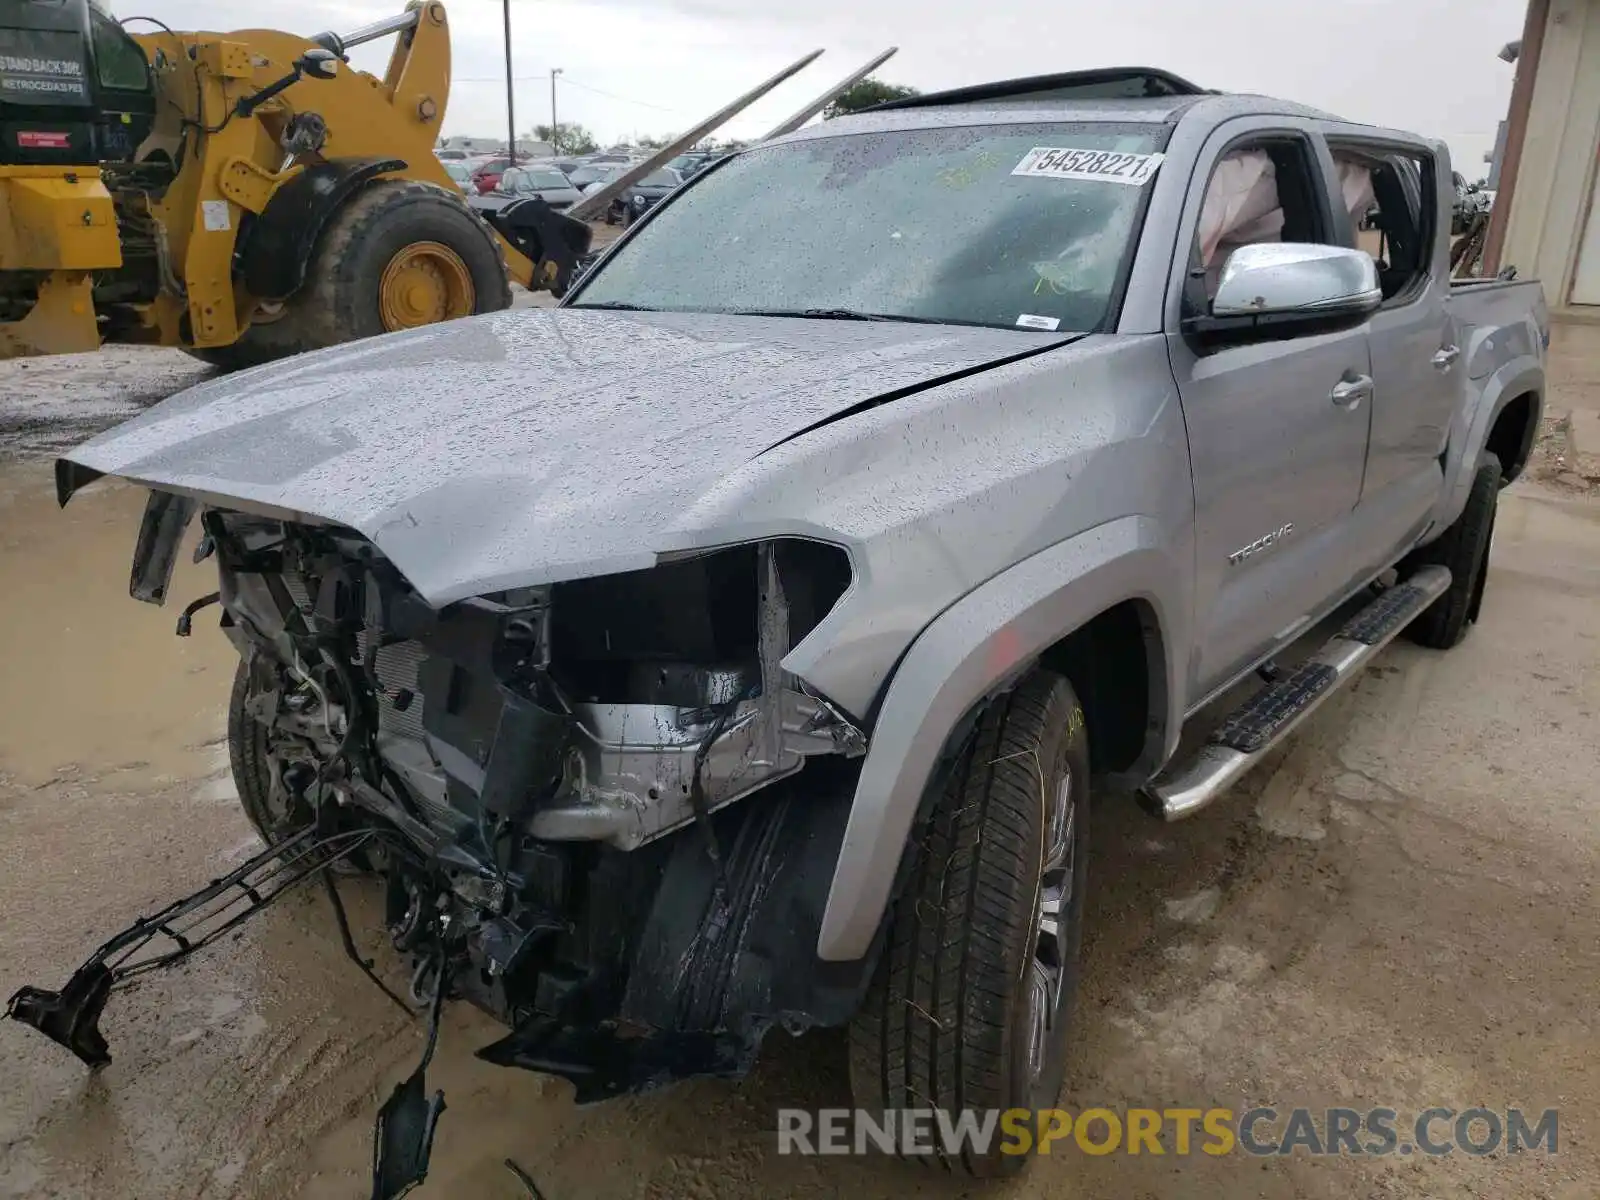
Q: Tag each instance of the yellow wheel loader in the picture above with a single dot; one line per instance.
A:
(242, 195)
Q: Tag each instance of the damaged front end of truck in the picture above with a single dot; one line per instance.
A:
(542, 782)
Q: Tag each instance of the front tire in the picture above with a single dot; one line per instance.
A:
(973, 996)
(250, 758)
(1464, 548)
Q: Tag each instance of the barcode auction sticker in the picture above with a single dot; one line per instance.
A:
(1109, 166)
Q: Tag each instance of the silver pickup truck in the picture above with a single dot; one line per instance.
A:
(740, 645)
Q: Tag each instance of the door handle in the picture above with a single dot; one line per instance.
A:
(1446, 358)
(1349, 393)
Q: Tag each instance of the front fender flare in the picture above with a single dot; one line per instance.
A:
(973, 649)
(277, 250)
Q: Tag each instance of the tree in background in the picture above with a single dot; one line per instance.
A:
(865, 94)
(567, 138)
(655, 142)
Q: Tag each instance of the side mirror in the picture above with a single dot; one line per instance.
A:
(1287, 289)
(319, 64)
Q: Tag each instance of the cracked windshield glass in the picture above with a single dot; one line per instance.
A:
(965, 225)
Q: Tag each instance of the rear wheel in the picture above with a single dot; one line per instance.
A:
(971, 1002)
(399, 255)
(1464, 548)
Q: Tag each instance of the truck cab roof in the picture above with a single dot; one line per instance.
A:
(1130, 95)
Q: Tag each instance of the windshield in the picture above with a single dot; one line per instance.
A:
(662, 178)
(961, 225)
(544, 179)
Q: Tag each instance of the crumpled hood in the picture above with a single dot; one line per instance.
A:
(524, 447)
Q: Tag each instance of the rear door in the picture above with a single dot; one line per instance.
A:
(1277, 430)
(1417, 367)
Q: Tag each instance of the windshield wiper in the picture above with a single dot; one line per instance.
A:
(830, 314)
(616, 306)
(855, 314)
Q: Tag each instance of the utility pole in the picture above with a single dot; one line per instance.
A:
(555, 129)
(511, 109)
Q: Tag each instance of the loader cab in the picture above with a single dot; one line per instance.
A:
(74, 87)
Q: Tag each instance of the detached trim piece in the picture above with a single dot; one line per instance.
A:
(166, 517)
(70, 477)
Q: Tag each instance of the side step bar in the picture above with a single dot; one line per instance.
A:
(1252, 730)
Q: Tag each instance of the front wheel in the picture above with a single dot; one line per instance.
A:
(273, 813)
(972, 999)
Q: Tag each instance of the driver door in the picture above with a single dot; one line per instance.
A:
(1278, 430)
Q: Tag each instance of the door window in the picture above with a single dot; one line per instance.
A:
(1263, 190)
(1394, 214)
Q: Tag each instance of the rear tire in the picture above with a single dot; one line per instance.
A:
(1464, 548)
(352, 288)
(963, 1011)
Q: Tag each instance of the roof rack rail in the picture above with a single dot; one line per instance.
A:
(1104, 83)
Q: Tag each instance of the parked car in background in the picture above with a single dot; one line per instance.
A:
(586, 176)
(606, 174)
(690, 165)
(486, 175)
(521, 183)
(638, 198)
(450, 155)
(459, 172)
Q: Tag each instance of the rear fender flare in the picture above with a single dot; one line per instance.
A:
(971, 651)
(1521, 376)
(276, 252)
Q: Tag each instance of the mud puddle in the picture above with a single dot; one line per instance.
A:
(98, 689)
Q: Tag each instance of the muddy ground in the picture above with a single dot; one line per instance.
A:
(1399, 910)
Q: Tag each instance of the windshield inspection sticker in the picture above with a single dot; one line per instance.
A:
(1109, 166)
(1029, 321)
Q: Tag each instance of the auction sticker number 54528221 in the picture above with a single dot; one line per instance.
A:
(1109, 166)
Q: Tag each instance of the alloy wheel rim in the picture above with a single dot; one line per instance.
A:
(1047, 964)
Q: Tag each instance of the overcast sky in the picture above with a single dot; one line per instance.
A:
(655, 66)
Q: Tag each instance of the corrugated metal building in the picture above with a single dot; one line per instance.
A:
(1546, 221)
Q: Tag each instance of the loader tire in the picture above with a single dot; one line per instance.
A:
(1464, 548)
(398, 255)
(952, 1019)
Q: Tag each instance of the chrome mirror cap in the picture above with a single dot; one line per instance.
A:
(1296, 277)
